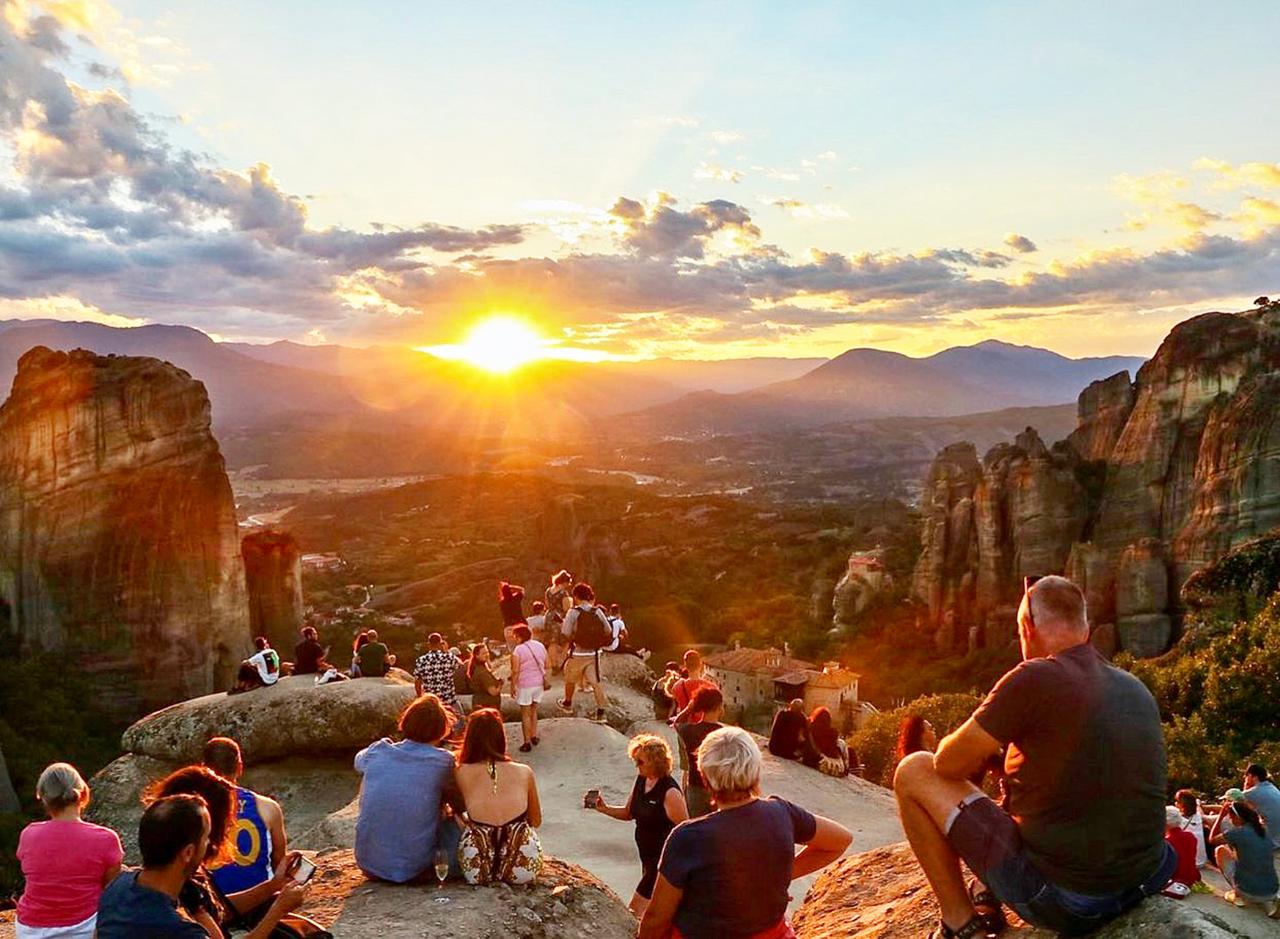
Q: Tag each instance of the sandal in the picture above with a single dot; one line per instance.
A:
(969, 930)
(987, 907)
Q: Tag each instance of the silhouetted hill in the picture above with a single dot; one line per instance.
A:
(870, 383)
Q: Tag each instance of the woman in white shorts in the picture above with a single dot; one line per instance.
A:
(528, 681)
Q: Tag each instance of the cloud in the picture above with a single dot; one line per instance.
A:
(1229, 176)
(715, 171)
(101, 215)
(805, 210)
(725, 137)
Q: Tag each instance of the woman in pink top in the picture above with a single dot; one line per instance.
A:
(528, 679)
(66, 861)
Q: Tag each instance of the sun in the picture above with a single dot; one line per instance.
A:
(499, 344)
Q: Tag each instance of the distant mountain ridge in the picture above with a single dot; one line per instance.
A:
(871, 383)
(264, 385)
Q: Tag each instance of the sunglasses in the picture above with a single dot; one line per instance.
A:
(1027, 584)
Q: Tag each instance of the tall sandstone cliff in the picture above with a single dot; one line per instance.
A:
(273, 576)
(118, 540)
(1159, 478)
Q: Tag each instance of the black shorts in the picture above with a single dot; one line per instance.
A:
(648, 881)
(989, 842)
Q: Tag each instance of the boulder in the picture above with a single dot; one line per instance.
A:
(308, 789)
(292, 717)
(882, 894)
(565, 902)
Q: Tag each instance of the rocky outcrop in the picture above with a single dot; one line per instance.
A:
(565, 902)
(864, 581)
(293, 716)
(588, 547)
(985, 526)
(882, 894)
(273, 578)
(118, 539)
(8, 797)
(1160, 478)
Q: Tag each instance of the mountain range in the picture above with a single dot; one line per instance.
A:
(287, 383)
(871, 383)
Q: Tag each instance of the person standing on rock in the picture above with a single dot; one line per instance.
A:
(684, 689)
(66, 862)
(727, 875)
(259, 844)
(510, 606)
(709, 705)
(656, 806)
(406, 786)
(1081, 837)
(559, 601)
(528, 681)
(435, 673)
(588, 631)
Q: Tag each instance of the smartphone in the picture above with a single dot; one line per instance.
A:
(589, 800)
(304, 871)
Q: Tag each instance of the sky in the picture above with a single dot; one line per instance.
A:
(702, 180)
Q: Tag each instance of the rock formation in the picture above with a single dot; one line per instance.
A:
(864, 580)
(273, 577)
(588, 547)
(1159, 478)
(882, 894)
(118, 540)
(8, 797)
(987, 525)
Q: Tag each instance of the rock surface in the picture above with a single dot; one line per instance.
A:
(292, 717)
(565, 901)
(881, 894)
(1160, 478)
(273, 578)
(118, 539)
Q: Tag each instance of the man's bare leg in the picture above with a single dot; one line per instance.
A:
(925, 801)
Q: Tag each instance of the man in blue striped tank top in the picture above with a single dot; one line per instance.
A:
(258, 839)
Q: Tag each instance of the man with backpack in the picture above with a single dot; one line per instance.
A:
(588, 630)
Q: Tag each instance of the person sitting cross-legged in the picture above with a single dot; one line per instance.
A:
(1081, 838)
(1243, 854)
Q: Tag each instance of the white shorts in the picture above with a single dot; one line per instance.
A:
(82, 930)
(528, 696)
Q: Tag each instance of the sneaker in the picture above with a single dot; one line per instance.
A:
(599, 717)
(565, 706)
(525, 747)
(1272, 908)
(534, 741)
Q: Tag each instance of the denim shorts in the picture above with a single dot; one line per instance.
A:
(988, 841)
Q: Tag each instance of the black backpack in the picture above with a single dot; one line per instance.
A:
(591, 631)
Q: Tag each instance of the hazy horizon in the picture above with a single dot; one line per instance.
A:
(665, 183)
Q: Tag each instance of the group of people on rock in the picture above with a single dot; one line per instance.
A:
(813, 740)
(1080, 835)
(214, 856)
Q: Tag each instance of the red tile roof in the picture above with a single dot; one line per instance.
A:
(752, 661)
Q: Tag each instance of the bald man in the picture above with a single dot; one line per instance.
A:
(1081, 836)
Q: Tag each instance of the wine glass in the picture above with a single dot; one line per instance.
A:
(442, 865)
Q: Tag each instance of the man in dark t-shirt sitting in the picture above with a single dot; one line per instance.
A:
(308, 653)
(1081, 836)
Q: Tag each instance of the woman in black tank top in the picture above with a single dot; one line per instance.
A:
(656, 805)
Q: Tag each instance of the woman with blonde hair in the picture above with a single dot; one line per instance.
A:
(655, 804)
(66, 861)
(726, 875)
